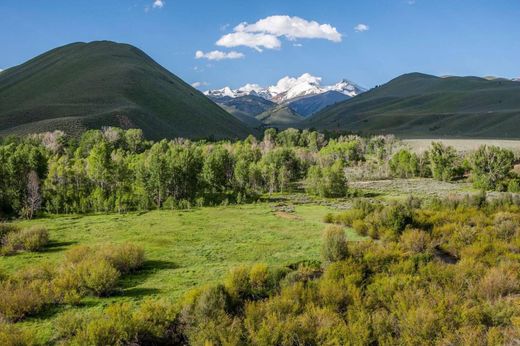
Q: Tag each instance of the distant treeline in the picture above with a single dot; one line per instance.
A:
(114, 170)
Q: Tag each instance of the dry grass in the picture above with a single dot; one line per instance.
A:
(463, 145)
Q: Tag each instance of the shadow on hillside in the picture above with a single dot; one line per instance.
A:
(57, 246)
(150, 267)
(139, 292)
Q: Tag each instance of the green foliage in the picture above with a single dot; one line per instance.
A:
(328, 181)
(84, 271)
(404, 164)
(334, 247)
(490, 167)
(28, 239)
(443, 162)
(98, 276)
(12, 335)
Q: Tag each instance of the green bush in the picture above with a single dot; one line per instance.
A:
(125, 257)
(404, 164)
(21, 299)
(12, 335)
(334, 246)
(115, 326)
(327, 181)
(444, 163)
(98, 276)
(415, 241)
(490, 167)
(29, 239)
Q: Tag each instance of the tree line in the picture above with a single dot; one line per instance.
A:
(113, 170)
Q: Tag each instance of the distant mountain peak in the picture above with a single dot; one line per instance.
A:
(289, 88)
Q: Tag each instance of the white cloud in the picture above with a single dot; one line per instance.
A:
(218, 55)
(199, 84)
(257, 41)
(158, 4)
(266, 32)
(297, 45)
(361, 28)
(292, 28)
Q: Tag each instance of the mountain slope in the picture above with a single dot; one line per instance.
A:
(418, 105)
(309, 105)
(89, 85)
(280, 116)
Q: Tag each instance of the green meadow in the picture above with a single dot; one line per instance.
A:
(184, 249)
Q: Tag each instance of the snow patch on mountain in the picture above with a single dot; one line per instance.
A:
(289, 88)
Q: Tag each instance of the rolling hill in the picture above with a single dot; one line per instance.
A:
(419, 105)
(280, 116)
(89, 85)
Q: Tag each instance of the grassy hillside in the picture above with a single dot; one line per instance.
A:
(418, 105)
(280, 116)
(89, 85)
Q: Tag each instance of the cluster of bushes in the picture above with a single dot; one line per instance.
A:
(117, 170)
(489, 167)
(14, 239)
(84, 271)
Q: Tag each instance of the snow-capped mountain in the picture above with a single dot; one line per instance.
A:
(289, 88)
(516, 79)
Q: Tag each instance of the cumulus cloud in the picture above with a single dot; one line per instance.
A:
(361, 28)
(266, 32)
(257, 41)
(158, 4)
(199, 84)
(218, 55)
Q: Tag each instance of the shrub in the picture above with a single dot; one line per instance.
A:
(334, 247)
(157, 323)
(396, 217)
(98, 276)
(499, 282)
(490, 166)
(12, 335)
(404, 164)
(6, 228)
(443, 162)
(78, 254)
(415, 241)
(21, 299)
(114, 326)
(327, 181)
(360, 227)
(29, 239)
(125, 257)
(69, 323)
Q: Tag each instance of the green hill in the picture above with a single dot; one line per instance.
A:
(419, 105)
(281, 115)
(89, 85)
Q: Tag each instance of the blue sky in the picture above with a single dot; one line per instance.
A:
(441, 37)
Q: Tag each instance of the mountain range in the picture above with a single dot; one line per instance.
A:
(84, 86)
(303, 96)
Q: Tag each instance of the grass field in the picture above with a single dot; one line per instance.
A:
(184, 249)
